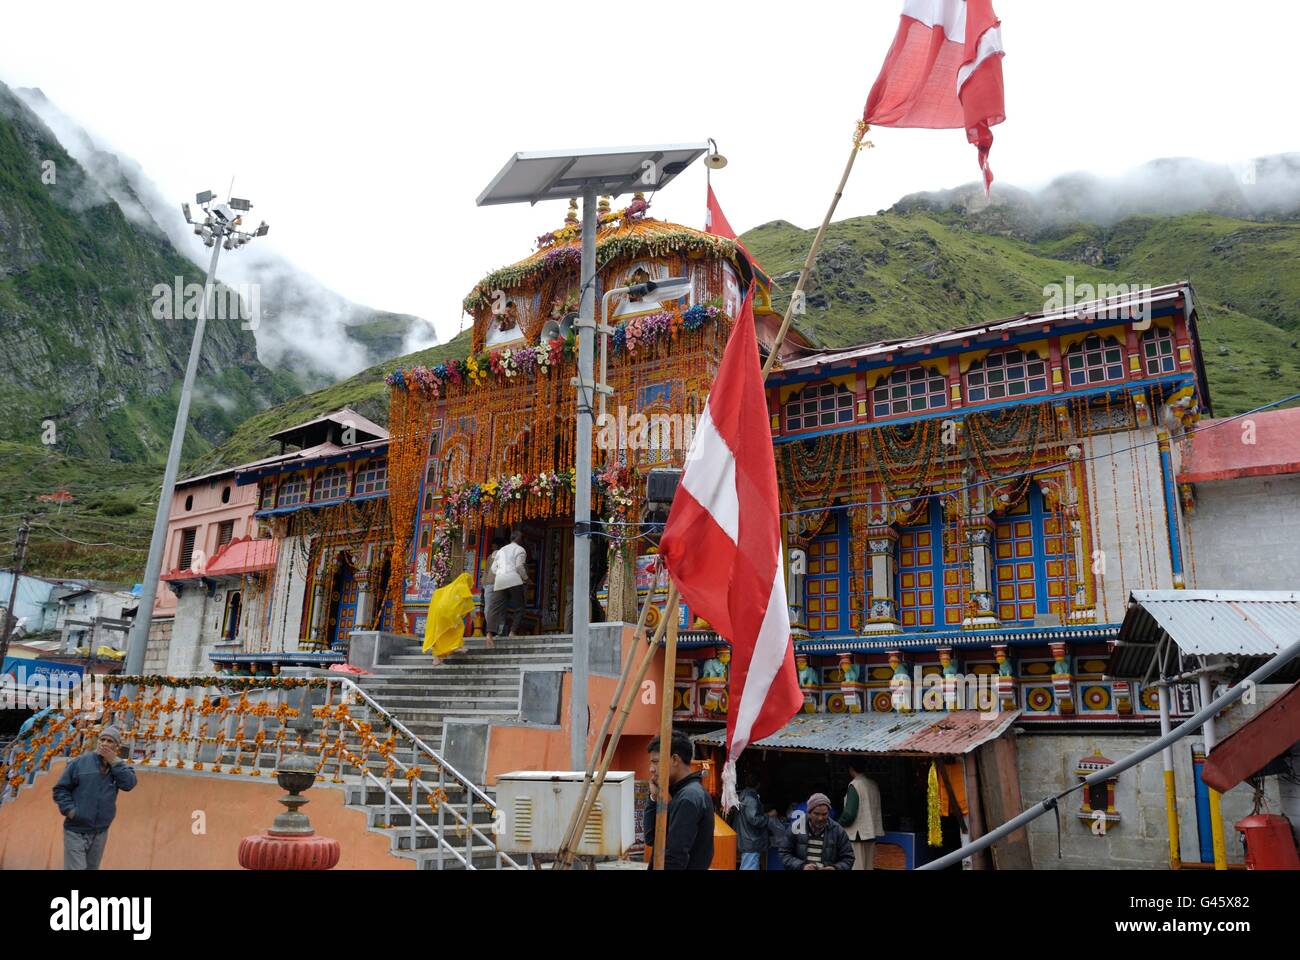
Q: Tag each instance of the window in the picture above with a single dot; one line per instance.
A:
(230, 622)
(1013, 373)
(1095, 361)
(266, 495)
(332, 484)
(225, 495)
(821, 406)
(189, 503)
(373, 477)
(912, 390)
(225, 532)
(187, 548)
(826, 585)
(1158, 350)
(292, 491)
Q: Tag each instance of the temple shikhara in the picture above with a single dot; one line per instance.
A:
(981, 524)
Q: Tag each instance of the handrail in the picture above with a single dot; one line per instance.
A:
(432, 753)
(348, 684)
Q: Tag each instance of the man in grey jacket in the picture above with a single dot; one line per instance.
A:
(87, 797)
(750, 823)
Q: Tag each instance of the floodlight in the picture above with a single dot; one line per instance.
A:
(263, 230)
(185, 207)
(237, 204)
(671, 288)
(223, 212)
(204, 197)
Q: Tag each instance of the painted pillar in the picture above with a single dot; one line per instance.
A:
(882, 607)
(1171, 794)
(1171, 510)
(900, 685)
(948, 669)
(1216, 815)
(853, 689)
(979, 540)
(809, 683)
(1006, 678)
(1062, 679)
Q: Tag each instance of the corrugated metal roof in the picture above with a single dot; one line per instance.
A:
(901, 734)
(1246, 624)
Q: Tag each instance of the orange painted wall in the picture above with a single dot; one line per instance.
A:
(153, 829)
(532, 748)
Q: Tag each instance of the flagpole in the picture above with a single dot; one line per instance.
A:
(670, 655)
(797, 297)
(632, 690)
(571, 831)
(666, 734)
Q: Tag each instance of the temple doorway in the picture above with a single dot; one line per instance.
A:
(342, 601)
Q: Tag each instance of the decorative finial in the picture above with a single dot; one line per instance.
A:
(572, 215)
(603, 206)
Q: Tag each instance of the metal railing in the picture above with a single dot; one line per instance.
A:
(223, 723)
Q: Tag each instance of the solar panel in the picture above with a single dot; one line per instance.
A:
(610, 171)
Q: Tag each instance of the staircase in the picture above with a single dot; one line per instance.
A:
(474, 684)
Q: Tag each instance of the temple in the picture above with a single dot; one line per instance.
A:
(969, 517)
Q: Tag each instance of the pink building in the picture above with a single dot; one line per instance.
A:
(207, 513)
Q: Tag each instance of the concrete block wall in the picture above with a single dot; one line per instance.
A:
(159, 646)
(1140, 840)
(1246, 534)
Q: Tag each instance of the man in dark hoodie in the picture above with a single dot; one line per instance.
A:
(87, 798)
(690, 808)
(750, 823)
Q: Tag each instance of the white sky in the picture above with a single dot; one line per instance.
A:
(363, 132)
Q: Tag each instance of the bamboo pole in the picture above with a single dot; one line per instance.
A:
(665, 736)
(796, 298)
(626, 711)
(571, 831)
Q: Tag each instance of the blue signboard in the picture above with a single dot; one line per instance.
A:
(21, 673)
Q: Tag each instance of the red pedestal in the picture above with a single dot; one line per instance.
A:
(267, 851)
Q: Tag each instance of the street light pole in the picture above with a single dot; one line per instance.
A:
(220, 225)
(586, 387)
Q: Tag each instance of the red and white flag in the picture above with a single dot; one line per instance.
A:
(722, 547)
(944, 70)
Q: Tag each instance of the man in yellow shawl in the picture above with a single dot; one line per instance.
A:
(444, 629)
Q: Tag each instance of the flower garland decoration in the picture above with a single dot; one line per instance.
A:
(638, 335)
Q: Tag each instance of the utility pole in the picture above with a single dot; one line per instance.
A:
(219, 229)
(20, 555)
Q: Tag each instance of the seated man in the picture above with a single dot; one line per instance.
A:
(818, 842)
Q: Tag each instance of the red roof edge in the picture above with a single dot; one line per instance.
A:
(1256, 743)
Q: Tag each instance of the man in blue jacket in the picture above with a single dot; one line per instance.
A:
(87, 797)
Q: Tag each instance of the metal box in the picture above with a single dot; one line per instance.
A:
(537, 806)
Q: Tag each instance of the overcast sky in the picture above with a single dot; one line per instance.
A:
(363, 132)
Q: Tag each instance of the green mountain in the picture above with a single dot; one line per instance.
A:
(927, 265)
(83, 361)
